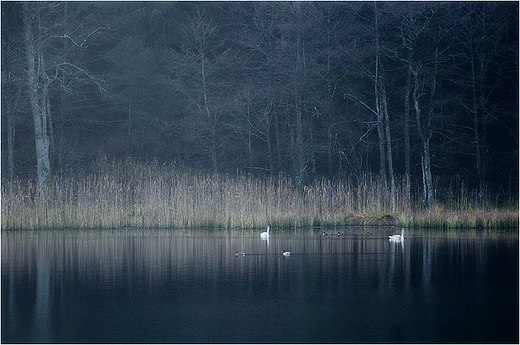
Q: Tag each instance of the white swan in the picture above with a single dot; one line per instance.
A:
(265, 233)
(286, 253)
(397, 237)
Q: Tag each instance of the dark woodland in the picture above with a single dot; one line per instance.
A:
(420, 93)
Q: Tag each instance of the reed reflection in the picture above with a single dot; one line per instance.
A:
(111, 257)
(41, 268)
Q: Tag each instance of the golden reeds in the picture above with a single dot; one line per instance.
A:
(131, 195)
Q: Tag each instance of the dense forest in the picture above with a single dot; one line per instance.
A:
(423, 94)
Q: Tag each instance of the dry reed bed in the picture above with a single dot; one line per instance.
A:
(130, 195)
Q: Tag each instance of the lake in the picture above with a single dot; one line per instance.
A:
(187, 286)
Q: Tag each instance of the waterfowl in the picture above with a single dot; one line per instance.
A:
(397, 237)
(340, 234)
(286, 253)
(240, 253)
(324, 234)
(265, 233)
(369, 233)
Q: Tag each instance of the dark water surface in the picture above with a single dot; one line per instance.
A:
(175, 286)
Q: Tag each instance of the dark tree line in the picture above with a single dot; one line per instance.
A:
(422, 91)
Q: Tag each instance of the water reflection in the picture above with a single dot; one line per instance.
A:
(188, 286)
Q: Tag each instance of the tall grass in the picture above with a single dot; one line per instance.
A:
(127, 194)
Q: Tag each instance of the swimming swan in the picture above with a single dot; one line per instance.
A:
(265, 233)
(286, 253)
(397, 237)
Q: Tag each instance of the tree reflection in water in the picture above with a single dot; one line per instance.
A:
(163, 285)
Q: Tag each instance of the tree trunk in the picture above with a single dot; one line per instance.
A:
(407, 172)
(481, 37)
(384, 108)
(427, 173)
(377, 93)
(428, 195)
(312, 147)
(12, 107)
(481, 152)
(210, 117)
(10, 146)
(269, 150)
(381, 140)
(298, 145)
(277, 130)
(298, 104)
(330, 147)
(476, 120)
(38, 102)
(483, 126)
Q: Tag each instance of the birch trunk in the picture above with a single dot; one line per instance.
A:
(424, 136)
(389, 155)
(38, 102)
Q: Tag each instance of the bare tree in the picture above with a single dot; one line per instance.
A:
(372, 68)
(12, 101)
(201, 78)
(483, 37)
(13, 82)
(45, 34)
(279, 41)
(383, 119)
(38, 92)
(414, 20)
(335, 41)
(420, 24)
(259, 89)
